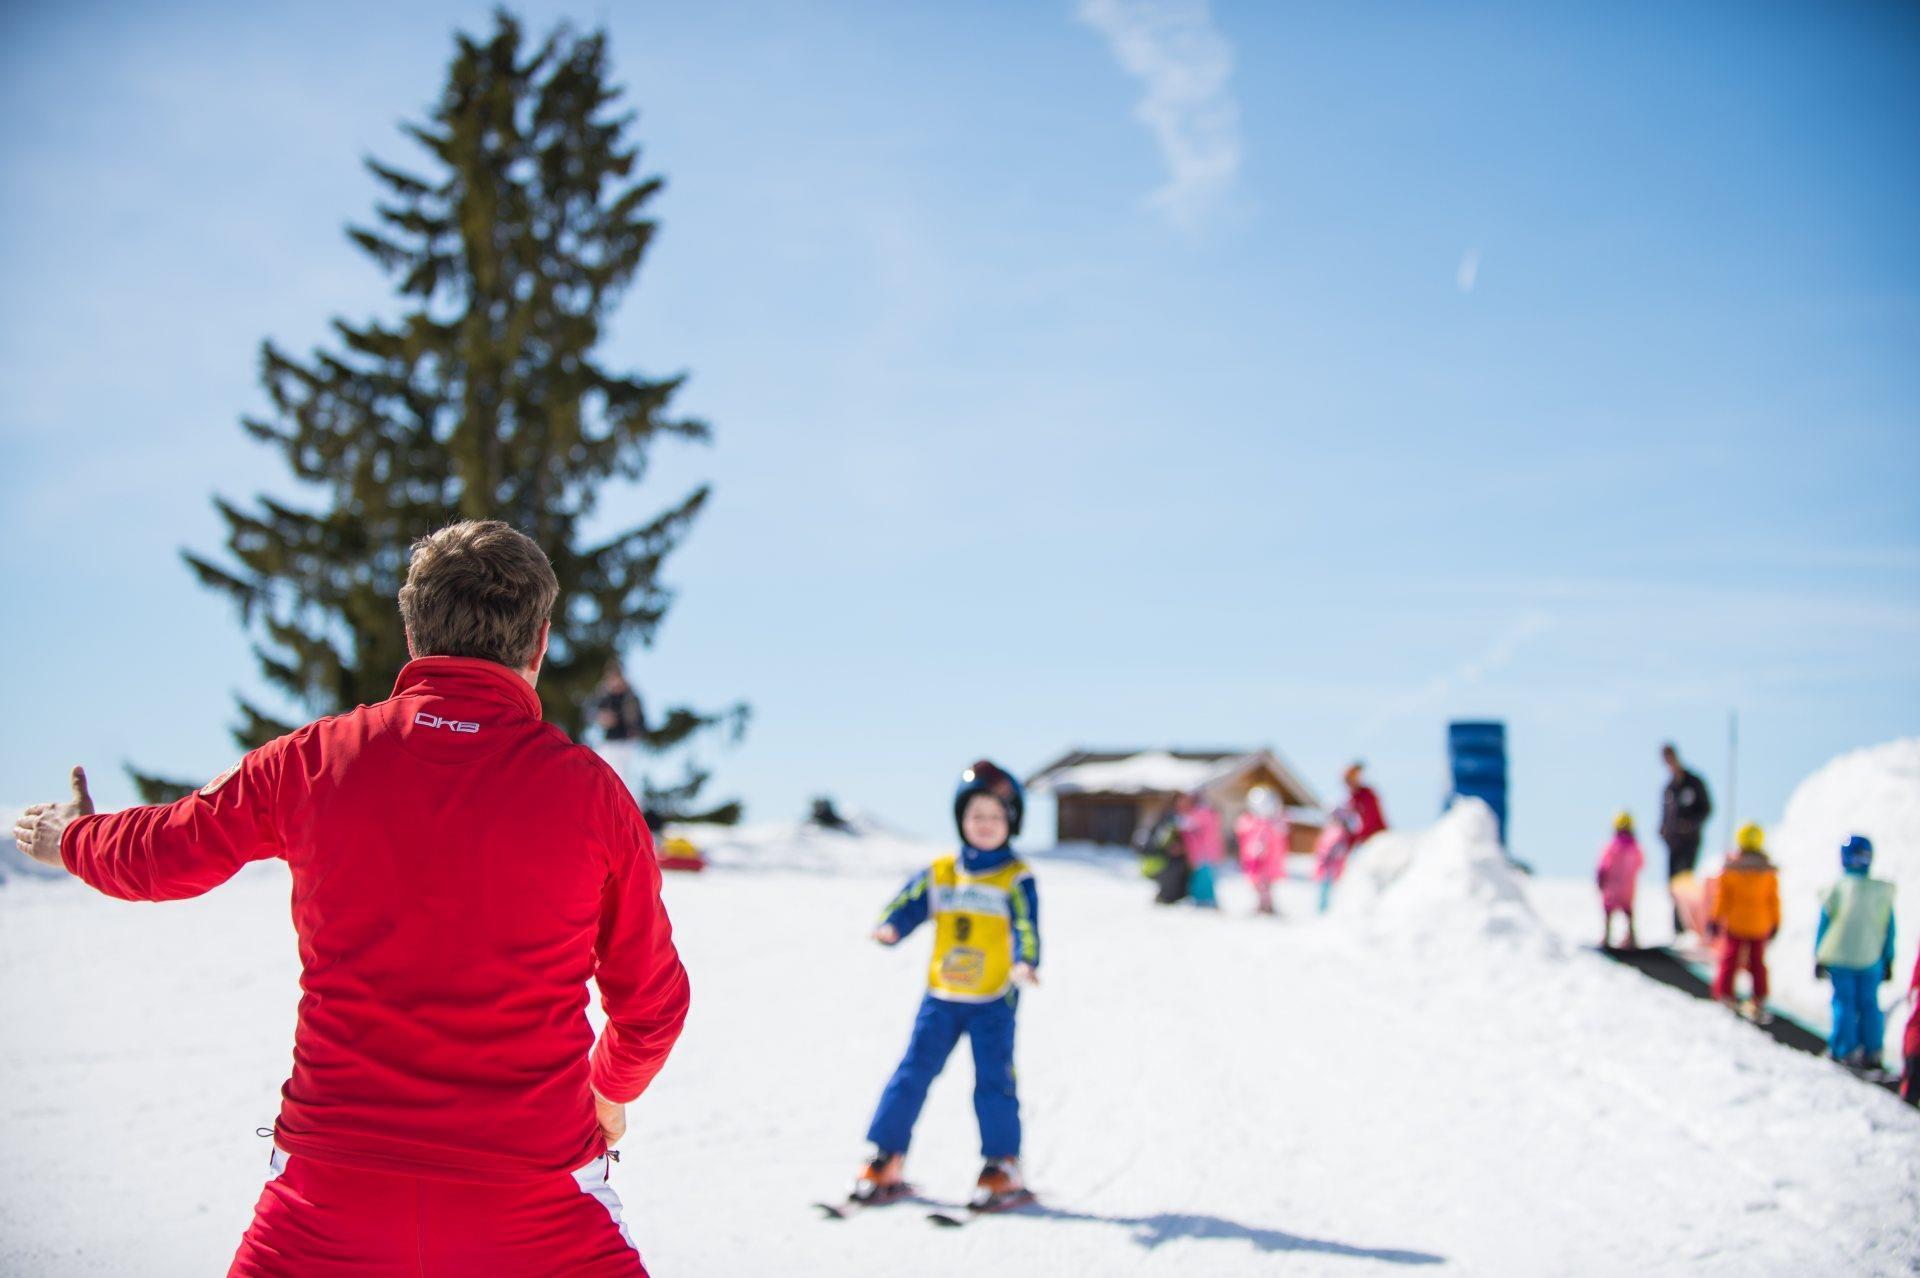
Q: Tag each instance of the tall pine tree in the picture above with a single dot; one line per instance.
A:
(482, 400)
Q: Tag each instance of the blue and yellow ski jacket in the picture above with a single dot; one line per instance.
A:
(986, 916)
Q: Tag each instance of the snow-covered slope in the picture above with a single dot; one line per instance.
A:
(1421, 1080)
(1875, 792)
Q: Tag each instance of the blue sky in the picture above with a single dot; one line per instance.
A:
(1111, 374)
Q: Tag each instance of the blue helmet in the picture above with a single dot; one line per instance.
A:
(987, 777)
(1856, 853)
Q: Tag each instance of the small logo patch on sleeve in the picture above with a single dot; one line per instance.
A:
(207, 790)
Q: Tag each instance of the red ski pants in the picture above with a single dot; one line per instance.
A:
(317, 1220)
(1735, 951)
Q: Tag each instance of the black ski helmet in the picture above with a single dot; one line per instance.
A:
(987, 777)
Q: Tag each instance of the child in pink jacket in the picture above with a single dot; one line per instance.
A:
(1620, 863)
(1200, 826)
(1331, 849)
(1263, 835)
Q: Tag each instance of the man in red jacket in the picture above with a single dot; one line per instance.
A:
(460, 869)
(1365, 805)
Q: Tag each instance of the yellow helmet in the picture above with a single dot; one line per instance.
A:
(1623, 821)
(1751, 838)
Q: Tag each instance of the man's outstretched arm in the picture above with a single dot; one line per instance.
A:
(38, 830)
(164, 852)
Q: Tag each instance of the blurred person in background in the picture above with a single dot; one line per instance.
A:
(1621, 861)
(1263, 834)
(619, 727)
(1200, 830)
(1685, 806)
(1910, 1042)
(615, 706)
(1746, 914)
(1364, 804)
(1163, 858)
(1853, 948)
(1330, 851)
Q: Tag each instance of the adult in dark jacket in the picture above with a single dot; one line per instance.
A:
(1684, 809)
(615, 707)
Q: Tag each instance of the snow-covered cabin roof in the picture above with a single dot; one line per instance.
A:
(1164, 772)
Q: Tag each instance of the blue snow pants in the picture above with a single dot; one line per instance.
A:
(1201, 886)
(1857, 1020)
(936, 1029)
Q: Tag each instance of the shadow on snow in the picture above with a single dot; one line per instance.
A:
(1163, 1227)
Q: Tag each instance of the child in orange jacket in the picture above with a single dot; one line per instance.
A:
(1746, 913)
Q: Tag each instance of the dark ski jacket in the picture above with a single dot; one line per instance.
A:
(1684, 808)
(618, 714)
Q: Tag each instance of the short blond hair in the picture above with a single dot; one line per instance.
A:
(478, 588)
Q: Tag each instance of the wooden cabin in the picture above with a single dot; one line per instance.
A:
(1115, 796)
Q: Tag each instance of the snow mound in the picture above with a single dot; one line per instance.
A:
(1875, 792)
(1448, 887)
(867, 848)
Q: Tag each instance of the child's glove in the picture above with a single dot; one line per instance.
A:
(1819, 971)
(886, 934)
(1024, 975)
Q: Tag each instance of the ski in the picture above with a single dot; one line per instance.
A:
(849, 1207)
(996, 1207)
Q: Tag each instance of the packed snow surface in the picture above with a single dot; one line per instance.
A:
(1423, 1081)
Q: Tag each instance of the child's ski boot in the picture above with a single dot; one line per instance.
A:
(999, 1187)
(882, 1180)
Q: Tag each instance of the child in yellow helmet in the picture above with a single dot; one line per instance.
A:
(1621, 861)
(1746, 912)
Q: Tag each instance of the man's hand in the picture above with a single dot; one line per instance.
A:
(37, 832)
(613, 1118)
(886, 934)
(1023, 974)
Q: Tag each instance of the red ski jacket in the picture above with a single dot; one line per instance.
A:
(1366, 805)
(460, 869)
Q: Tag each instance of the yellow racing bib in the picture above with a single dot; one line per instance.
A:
(974, 917)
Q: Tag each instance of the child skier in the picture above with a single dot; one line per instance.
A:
(1620, 863)
(1746, 912)
(986, 915)
(1263, 835)
(1200, 828)
(1854, 949)
(1331, 849)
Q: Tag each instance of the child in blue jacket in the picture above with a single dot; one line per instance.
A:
(986, 915)
(1854, 949)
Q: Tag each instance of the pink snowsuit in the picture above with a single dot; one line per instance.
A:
(1620, 864)
(1263, 853)
(1330, 850)
(1263, 847)
(1202, 829)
